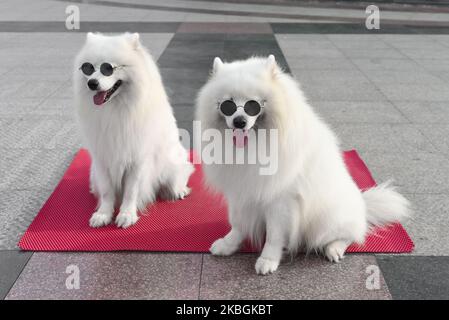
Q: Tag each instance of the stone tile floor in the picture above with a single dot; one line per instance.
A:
(386, 93)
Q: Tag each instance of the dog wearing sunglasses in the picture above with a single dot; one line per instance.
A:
(128, 128)
(310, 202)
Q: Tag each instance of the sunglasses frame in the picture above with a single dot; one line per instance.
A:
(260, 102)
(96, 68)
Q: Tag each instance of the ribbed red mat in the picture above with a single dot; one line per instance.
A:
(189, 225)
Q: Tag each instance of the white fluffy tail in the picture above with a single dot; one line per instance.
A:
(385, 205)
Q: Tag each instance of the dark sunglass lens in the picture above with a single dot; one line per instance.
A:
(87, 68)
(106, 69)
(228, 107)
(252, 108)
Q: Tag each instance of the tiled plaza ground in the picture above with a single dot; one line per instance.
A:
(386, 93)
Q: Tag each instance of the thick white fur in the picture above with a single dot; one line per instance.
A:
(133, 138)
(311, 202)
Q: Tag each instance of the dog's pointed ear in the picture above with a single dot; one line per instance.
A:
(133, 39)
(218, 64)
(272, 65)
(90, 36)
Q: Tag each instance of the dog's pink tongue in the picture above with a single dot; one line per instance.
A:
(240, 138)
(99, 97)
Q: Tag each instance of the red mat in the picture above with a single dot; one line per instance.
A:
(191, 225)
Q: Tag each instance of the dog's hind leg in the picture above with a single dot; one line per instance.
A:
(229, 244)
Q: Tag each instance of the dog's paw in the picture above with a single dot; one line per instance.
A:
(183, 193)
(265, 266)
(221, 248)
(335, 251)
(100, 219)
(126, 219)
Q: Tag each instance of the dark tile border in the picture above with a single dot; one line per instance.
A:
(223, 27)
(390, 5)
(228, 31)
(85, 26)
(354, 28)
(114, 4)
(12, 263)
(416, 277)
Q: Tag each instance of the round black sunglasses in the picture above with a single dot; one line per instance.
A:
(106, 69)
(251, 107)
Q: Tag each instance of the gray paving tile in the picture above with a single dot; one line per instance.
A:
(46, 132)
(441, 38)
(411, 278)
(331, 77)
(192, 49)
(156, 42)
(298, 64)
(386, 64)
(234, 50)
(358, 53)
(433, 65)
(415, 92)
(175, 60)
(304, 278)
(26, 88)
(33, 168)
(355, 91)
(429, 224)
(191, 77)
(19, 107)
(403, 77)
(397, 138)
(436, 51)
(406, 42)
(93, 26)
(331, 52)
(12, 263)
(424, 112)
(404, 39)
(184, 112)
(358, 112)
(110, 276)
(418, 172)
(220, 27)
(17, 210)
(438, 134)
(358, 42)
(308, 47)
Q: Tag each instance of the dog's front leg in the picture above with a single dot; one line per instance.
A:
(106, 197)
(278, 224)
(128, 209)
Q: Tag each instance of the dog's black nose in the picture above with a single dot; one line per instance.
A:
(93, 84)
(239, 122)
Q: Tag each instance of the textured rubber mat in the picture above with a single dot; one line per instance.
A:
(189, 225)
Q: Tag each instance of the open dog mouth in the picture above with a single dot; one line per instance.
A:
(102, 97)
(240, 137)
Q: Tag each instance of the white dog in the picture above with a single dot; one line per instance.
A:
(128, 127)
(311, 201)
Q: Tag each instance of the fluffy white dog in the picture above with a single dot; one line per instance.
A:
(128, 128)
(311, 202)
